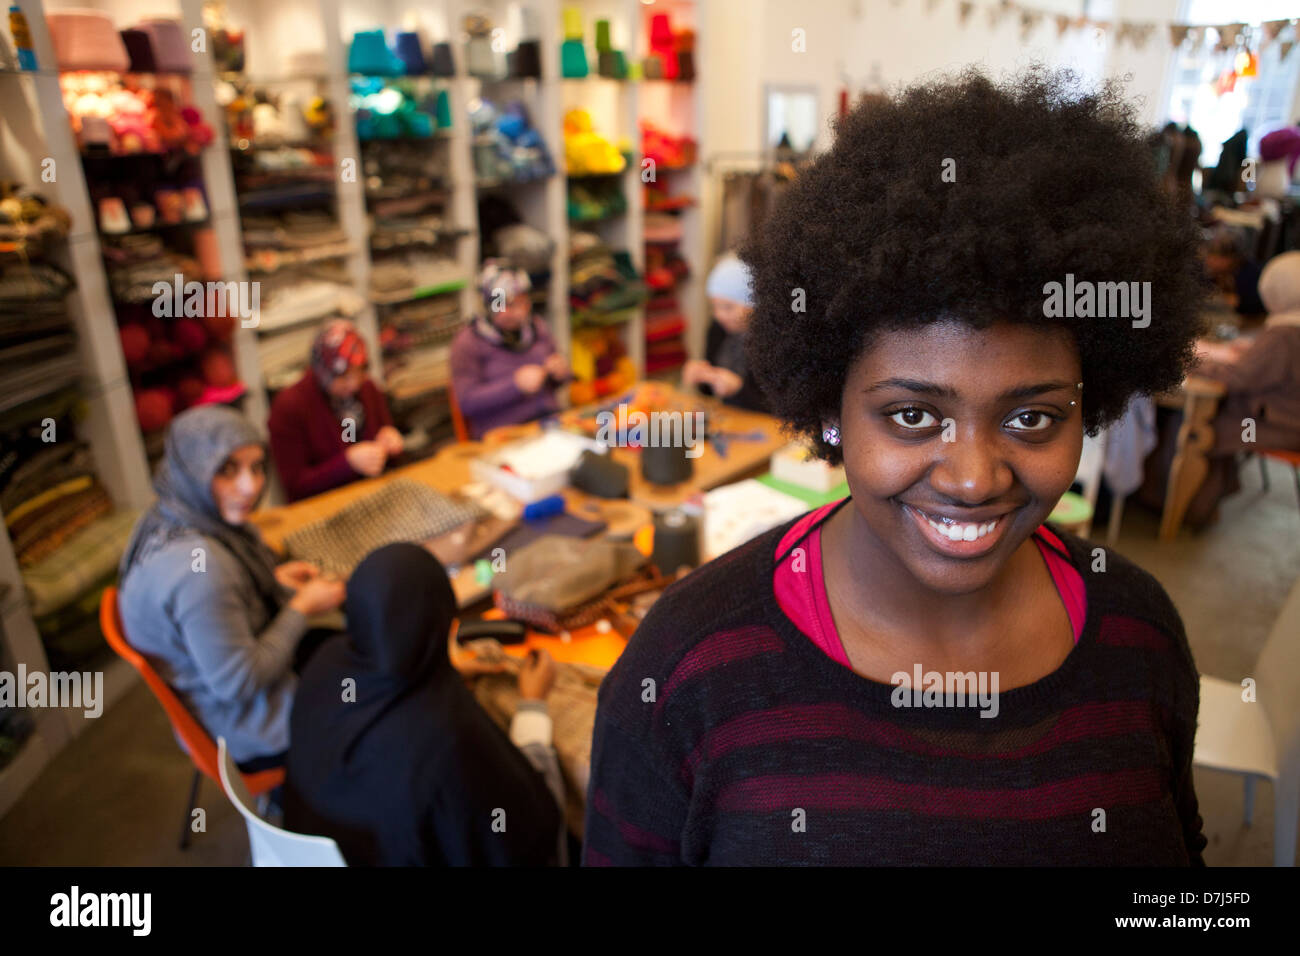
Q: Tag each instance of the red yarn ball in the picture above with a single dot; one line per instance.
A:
(153, 408)
(163, 353)
(190, 335)
(218, 369)
(189, 389)
(135, 344)
(220, 327)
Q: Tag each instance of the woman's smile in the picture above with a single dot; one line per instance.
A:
(965, 536)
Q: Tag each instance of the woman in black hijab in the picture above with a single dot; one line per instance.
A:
(391, 756)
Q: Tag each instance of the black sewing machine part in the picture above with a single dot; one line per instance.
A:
(505, 632)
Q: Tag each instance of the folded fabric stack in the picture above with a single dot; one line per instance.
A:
(401, 510)
(507, 147)
(603, 284)
(397, 109)
(665, 325)
(413, 274)
(591, 200)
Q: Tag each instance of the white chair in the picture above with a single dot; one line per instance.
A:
(1261, 738)
(270, 845)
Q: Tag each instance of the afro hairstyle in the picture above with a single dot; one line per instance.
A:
(962, 198)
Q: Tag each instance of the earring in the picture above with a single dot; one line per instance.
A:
(831, 435)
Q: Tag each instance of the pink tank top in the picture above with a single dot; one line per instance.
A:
(802, 596)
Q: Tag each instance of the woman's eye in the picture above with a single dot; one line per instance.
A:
(1031, 422)
(917, 418)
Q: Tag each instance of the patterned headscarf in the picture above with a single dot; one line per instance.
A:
(498, 283)
(338, 348)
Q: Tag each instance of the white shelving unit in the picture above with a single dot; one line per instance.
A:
(271, 32)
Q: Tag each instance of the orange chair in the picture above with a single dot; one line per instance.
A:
(197, 742)
(1291, 458)
(457, 419)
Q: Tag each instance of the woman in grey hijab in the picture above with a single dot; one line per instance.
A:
(202, 596)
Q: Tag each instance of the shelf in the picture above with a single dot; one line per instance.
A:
(421, 292)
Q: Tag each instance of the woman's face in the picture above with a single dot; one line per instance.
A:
(731, 315)
(349, 383)
(514, 315)
(239, 483)
(958, 443)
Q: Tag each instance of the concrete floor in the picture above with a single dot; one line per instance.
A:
(115, 796)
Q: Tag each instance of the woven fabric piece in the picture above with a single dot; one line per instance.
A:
(400, 510)
(76, 567)
(46, 531)
(558, 574)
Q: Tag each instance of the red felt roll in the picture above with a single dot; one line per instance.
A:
(190, 335)
(218, 369)
(153, 408)
(135, 344)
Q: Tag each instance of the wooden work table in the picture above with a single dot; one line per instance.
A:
(449, 470)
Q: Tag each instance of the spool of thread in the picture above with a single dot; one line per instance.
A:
(665, 464)
(444, 63)
(676, 542)
(602, 36)
(599, 475)
(572, 23)
(544, 508)
(526, 59)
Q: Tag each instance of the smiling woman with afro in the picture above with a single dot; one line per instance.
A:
(975, 275)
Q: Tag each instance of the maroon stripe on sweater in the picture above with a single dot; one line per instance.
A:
(782, 725)
(1120, 630)
(1076, 795)
(724, 647)
(635, 837)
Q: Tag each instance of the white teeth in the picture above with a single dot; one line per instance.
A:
(955, 531)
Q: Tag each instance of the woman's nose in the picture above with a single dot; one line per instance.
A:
(972, 470)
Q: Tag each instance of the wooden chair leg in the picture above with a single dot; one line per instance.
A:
(189, 810)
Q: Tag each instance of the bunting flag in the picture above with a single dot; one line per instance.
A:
(1135, 33)
(1272, 28)
(1228, 34)
(1029, 19)
(1284, 49)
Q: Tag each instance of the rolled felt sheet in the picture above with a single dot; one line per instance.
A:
(544, 508)
(676, 541)
(444, 63)
(600, 475)
(602, 36)
(666, 464)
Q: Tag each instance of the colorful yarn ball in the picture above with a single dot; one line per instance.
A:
(190, 335)
(218, 369)
(154, 408)
(135, 344)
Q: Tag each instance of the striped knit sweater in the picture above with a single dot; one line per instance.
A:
(724, 736)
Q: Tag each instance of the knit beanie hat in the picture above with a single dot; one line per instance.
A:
(499, 279)
(730, 280)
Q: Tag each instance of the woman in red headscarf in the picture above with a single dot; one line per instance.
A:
(333, 425)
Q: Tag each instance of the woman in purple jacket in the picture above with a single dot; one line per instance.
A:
(504, 366)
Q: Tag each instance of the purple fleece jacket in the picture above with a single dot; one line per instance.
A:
(482, 374)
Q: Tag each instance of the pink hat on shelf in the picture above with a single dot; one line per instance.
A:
(170, 51)
(86, 40)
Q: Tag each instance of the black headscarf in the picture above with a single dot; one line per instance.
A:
(403, 767)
